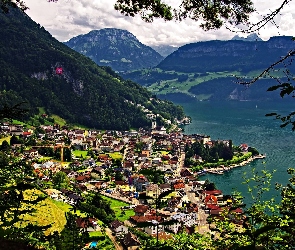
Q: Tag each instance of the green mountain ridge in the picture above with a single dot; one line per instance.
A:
(116, 48)
(216, 56)
(82, 92)
(211, 70)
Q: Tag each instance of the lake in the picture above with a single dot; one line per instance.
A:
(245, 122)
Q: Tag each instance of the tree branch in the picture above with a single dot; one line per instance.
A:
(289, 54)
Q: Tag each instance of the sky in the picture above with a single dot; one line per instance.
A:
(69, 18)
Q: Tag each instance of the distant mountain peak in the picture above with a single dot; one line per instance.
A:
(164, 50)
(250, 38)
(116, 48)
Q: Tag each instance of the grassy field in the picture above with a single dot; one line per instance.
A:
(47, 212)
(51, 212)
(5, 139)
(175, 86)
(78, 153)
(116, 206)
(116, 155)
(60, 121)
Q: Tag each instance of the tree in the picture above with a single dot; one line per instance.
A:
(287, 210)
(118, 176)
(253, 150)
(213, 13)
(5, 146)
(15, 140)
(60, 180)
(96, 206)
(71, 238)
(6, 4)
(18, 197)
(227, 154)
(14, 111)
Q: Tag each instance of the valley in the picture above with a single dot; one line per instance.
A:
(107, 143)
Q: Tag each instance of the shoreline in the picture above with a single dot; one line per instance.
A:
(221, 170)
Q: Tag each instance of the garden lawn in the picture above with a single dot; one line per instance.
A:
(103, 242)
(78, 153)
(116, 206)
(96, 233)
(116, 155)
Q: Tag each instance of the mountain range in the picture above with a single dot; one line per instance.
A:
(49, 76)
(214, 56)
(116, 48)
(210, 70)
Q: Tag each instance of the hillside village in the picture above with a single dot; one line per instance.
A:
(115, 167)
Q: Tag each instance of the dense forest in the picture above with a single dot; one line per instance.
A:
(41, 72)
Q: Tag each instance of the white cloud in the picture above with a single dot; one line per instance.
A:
(68, 18)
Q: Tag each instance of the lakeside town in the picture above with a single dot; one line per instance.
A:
(129, 166)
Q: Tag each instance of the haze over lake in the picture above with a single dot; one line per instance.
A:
(245, 122)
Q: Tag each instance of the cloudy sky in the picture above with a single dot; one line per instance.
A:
(69, 18)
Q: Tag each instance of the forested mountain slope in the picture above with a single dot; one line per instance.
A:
(38, 69)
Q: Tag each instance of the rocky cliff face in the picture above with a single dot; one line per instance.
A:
(116, 48)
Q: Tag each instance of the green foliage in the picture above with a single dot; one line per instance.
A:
(253, 150)
(5, 5)
(184, 241)
(5, 146)
(286, 238)
(72, 237)
(118, 176)
(210, 155)
(148, 10)
(286, 89)
(155, 176)
(98, 207)
(96, 96)
(116, 205)
(213, 15)
(60, 180)
(16, 178)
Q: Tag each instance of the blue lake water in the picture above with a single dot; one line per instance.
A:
(245, 122)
